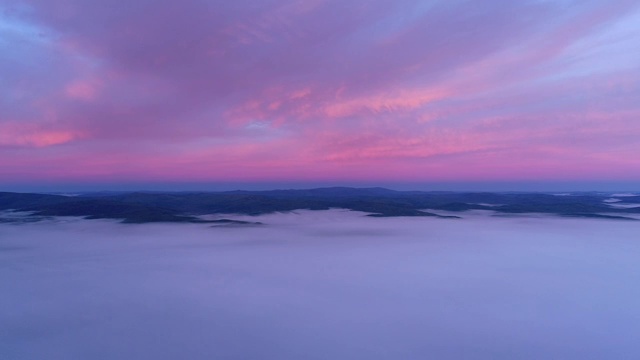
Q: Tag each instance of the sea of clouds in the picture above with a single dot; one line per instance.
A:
(321, 285)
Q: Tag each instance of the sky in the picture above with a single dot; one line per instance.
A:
(137, 93)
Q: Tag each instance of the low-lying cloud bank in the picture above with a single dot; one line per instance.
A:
(321, 285)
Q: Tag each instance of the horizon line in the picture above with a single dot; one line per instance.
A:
(528, 187)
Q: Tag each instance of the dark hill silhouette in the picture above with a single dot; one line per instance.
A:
(141, 207)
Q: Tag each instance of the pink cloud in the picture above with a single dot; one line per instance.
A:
(14, 134)
(291, 90)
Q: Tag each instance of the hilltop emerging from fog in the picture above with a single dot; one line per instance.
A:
(143, 207)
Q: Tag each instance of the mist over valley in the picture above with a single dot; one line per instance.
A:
(329, 284)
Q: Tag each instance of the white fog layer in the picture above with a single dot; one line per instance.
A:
(321, 285)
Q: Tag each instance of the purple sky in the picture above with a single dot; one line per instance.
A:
(312, 92)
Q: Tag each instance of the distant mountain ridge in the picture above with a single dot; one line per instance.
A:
(143, 207)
